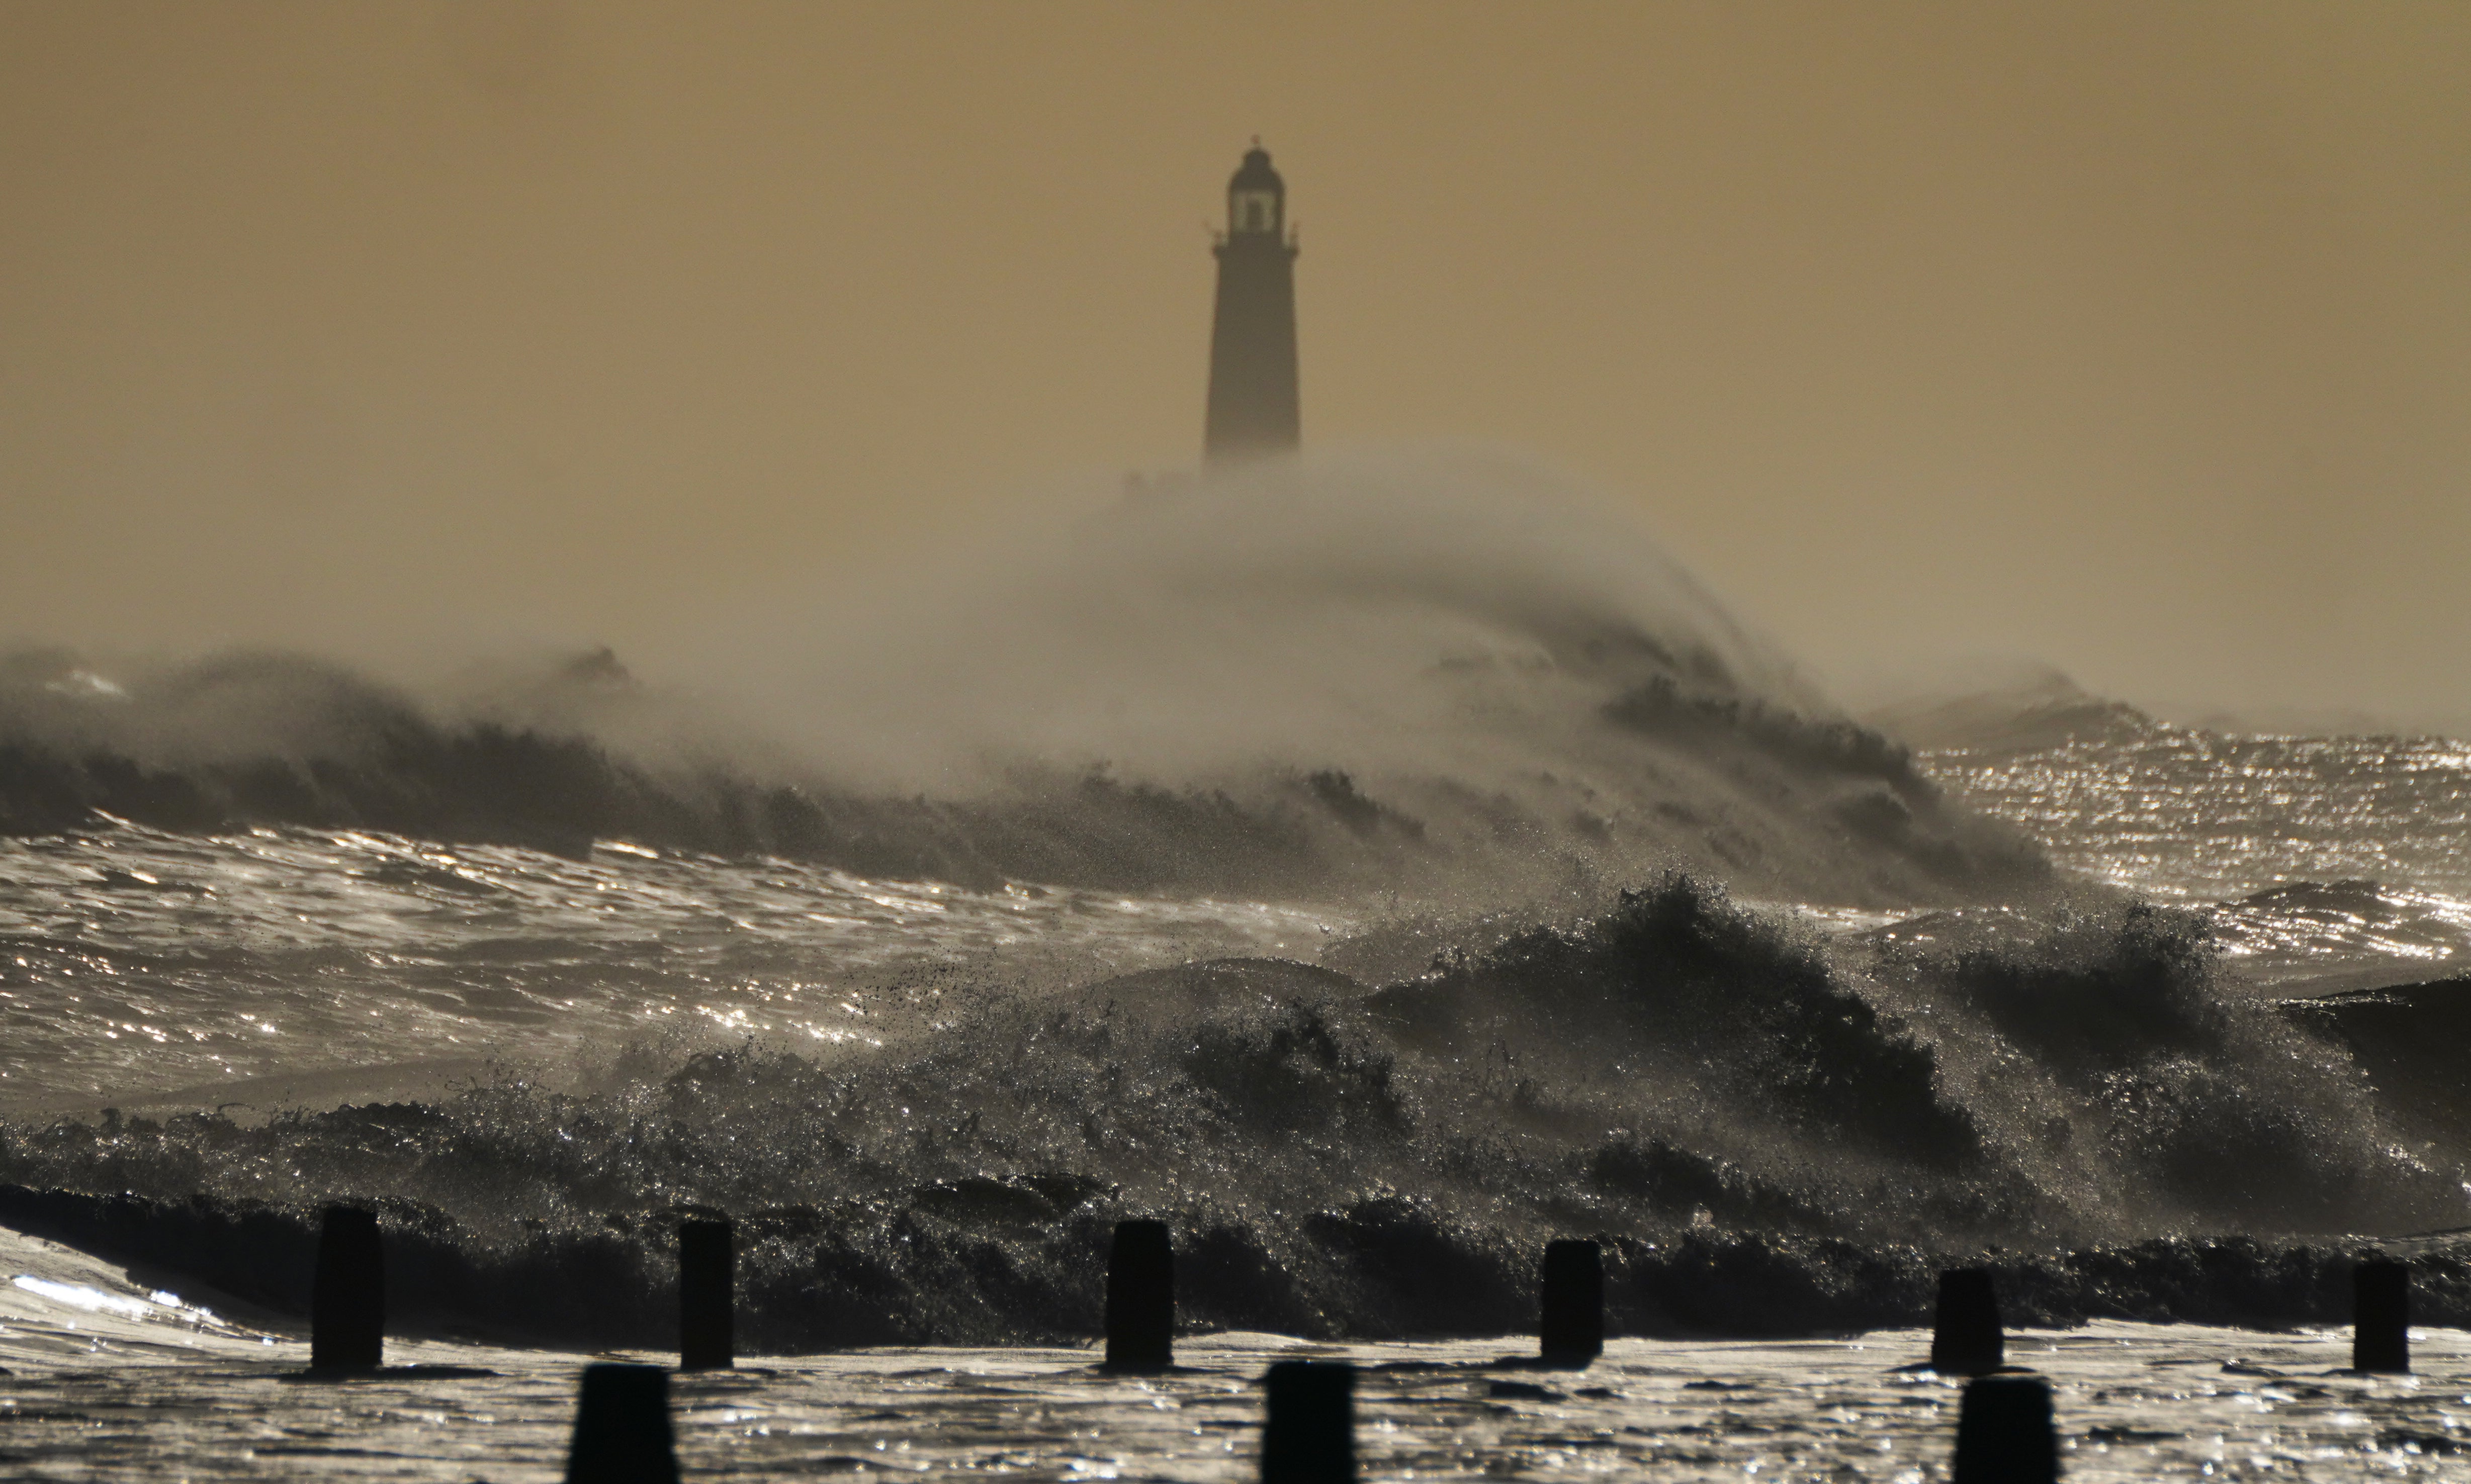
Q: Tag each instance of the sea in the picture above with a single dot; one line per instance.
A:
(1374, 871)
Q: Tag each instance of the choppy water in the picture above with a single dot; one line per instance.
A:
(2170, 810)
(278, 965)
(1564, 910)
(2330, 858)
(926, 1103)
(108, 1379)
(111, 1381)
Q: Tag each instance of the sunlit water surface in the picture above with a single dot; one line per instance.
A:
(139, 967)
(2330, 858)
(2202, 815)
(295, 966)
(112, 1381)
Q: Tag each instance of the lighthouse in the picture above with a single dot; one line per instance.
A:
(1252, 407)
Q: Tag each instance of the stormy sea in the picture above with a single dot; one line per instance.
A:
(1374, 869)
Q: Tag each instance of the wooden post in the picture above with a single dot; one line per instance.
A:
(347, 1303)
(1967, 1340)
(1573, 1331)
(1141, 1298)
(1309, 1437)
(2003, 1432)
(621, 1427)
(2381, 1317)
(707, 1277)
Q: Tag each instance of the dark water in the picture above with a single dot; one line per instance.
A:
(110, 1383)
(1563, 907)
(1774, 1117)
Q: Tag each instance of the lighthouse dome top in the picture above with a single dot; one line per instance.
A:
(1256, 199)
(1256, 173)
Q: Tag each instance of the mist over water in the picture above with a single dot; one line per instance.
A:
(1425, 670)
(1376, 866)
(1348, 610)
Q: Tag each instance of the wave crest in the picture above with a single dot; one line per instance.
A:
(1736, 1101)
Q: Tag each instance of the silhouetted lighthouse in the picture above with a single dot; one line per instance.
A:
(1252, 407)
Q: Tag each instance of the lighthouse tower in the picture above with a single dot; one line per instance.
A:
(1252, 407)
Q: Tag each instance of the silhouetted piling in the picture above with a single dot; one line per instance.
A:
(1573, 1329)
(621, 1427)
(1141, 1298)
(2003, 1432)
(1310, 1435)
(1966, 1340)
(347, 1303)
(707, 1279)
(2381, 1317)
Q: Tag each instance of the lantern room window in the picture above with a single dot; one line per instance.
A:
(1253, 211)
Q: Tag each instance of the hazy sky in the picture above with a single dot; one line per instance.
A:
(2136, 335)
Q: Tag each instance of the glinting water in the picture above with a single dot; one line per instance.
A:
(1374, 871)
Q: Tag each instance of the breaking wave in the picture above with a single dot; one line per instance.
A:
(1776, 1131)
(992, 894)
(1441, 673)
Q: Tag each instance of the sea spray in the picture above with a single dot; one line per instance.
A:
(1773, 1132)
(1249, 859)
(1441, 672)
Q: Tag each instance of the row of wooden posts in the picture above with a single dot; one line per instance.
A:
(2004, 1433)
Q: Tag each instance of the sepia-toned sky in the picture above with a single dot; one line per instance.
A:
(2133, 337)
